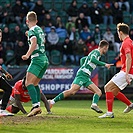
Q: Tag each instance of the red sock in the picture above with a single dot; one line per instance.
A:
(9, 108)
(109, 101)
(120, 96)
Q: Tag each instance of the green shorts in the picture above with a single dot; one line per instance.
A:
(82, 79)
(38, 66)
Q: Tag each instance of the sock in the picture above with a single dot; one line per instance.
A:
(33, 94)
(109, 101)
(38, 93)
(59, 97)
(120, 96)
(95, 99)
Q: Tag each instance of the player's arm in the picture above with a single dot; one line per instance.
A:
(97, 62)
(44, 99)
(82, 60)
(19, 104)
(32, 47)
(100, 63)
(128, 65)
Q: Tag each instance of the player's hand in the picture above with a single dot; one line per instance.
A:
(108, 65)
(8, 76)
(25, 57)
(0, 67)
(128, 79)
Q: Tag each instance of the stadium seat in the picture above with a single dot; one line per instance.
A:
(55, 57)
(127, 17)
(53, 14)
(113, 28)
(58, 6)
(103, 27)
(2, 26)
(92, 27)
(12, 27)
(111, 56)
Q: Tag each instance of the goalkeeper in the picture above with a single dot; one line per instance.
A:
(83, 76)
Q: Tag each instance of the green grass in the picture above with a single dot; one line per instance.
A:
(71, 116)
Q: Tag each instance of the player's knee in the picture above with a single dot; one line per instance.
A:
(106, 88)
(73, 93)
(99, 93)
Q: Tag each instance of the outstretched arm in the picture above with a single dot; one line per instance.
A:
(100, 63)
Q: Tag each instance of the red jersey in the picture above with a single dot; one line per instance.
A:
(24, 96)
(126, 47)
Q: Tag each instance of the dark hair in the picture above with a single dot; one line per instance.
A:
(103, 43)
(123, 27)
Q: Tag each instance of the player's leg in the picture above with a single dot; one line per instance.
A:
(39, 77)
(96, 96)
(110, 90)
(30, 80)
(74, 88)
(120, 96)
(120, 81)
(4, 85)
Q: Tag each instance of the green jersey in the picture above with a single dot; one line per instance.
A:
(89, 63)
(37, 32)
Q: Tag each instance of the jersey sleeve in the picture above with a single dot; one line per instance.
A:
(95, 59)
(127, 47)
(82, 60)
(31, 34)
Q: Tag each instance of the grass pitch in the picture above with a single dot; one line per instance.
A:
(70, 116)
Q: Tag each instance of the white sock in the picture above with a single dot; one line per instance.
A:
(52, 101)
(131, 105)
(109, 112)
(94, 104)
(35, 104)
(39, 104)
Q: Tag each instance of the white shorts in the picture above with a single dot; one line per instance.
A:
(120, 79)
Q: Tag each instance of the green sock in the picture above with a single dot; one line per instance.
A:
(38, 93)
(59, 97)
(95, 98)
(33, 93)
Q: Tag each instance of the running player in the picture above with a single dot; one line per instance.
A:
(83, 76)
(39, 61)
(124, 77)
(20, 95)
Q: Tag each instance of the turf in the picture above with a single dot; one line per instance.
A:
(70, 116)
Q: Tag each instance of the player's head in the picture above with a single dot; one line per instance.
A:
(31, 18)
(122, 30)
(23, 83)
(104, 45)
